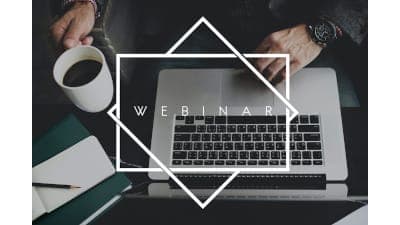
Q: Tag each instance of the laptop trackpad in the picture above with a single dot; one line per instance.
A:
(241, 89)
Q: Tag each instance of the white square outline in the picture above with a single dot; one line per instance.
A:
(169, 54)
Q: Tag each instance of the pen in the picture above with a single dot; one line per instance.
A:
(65, 186)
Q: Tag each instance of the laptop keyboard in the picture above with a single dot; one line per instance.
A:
(245, 140)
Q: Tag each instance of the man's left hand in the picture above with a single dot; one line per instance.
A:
(295, 41)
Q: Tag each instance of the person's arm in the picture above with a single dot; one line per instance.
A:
(77, 18)
(349, 18)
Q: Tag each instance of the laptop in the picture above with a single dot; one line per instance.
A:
(227, 118)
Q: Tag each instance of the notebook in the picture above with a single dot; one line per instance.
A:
(84, 164)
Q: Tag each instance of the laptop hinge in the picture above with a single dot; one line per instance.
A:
(253, 181)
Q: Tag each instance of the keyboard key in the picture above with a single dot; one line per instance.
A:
(295, 162)
(273, 162)
(176, 162)
(230, 162)
(314, 119)
(295, 120)
(279, 145)
(211, 128)
(308, 128)
(179, 155)
(281, 119)
(300, 145)
(216, 137)
(306, 162)
(277, 137)
(231, 128)
(252, 162)
(239, 146)
(206, 137)
(298, 137)
(202, 155)
(241, 162)
(256, 137)
(281, 128)
(187, 146)
(293, 128)
(236, 137)
(219, 162)
(244, 155)
(304, 119)
(177, 146)
(209, 120)
(233, 155)
(317, 162)
(189, 120)
(223, 155)
(249, 146)
(251, 128)
(185, 128)
(263, 162)
(208, 146)
(271, 120)
(201, 128)
(178, 117)
(292, 146)
(218, 146)
(182, 137)
(313, 145)
(198, 162)
(254, 155)
(317, 155)
(226, 137)
(275, 155)
(187, 162)
(198, 146)
(283, 154)
(282, 162)
(267, 137)
(264, 155)
(212, 155)
(296, 155)
(192, 155)
(221, 128)
(208, 162)
(220, 120)
(228, 146)
(259, 146)
(306, 155)
(241, 128)
(196, 137)
(271, 128)
(261, 128)
(246, 137)
(269, 146)
(312, 137)
(199, 117)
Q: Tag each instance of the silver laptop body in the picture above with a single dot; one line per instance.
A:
(313, 91)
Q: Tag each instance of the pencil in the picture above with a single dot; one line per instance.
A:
(65, 186)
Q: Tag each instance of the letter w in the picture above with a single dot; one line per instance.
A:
(140, 110)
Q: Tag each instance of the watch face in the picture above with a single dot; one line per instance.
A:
(324, 32)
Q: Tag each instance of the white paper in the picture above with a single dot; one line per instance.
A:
(85, 164)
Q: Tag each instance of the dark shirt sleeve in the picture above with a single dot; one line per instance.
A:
(57, 9)
(350, 15)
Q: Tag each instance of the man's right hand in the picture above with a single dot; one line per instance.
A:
(74, 26)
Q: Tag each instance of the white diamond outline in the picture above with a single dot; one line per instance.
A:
(170, 54)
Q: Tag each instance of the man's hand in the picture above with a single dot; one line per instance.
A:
(297, 42)
(74, 26)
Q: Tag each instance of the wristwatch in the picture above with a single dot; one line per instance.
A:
(324, 32)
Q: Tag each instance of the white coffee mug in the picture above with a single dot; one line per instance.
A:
(94, 96)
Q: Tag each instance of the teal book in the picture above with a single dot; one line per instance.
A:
(88, 205)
